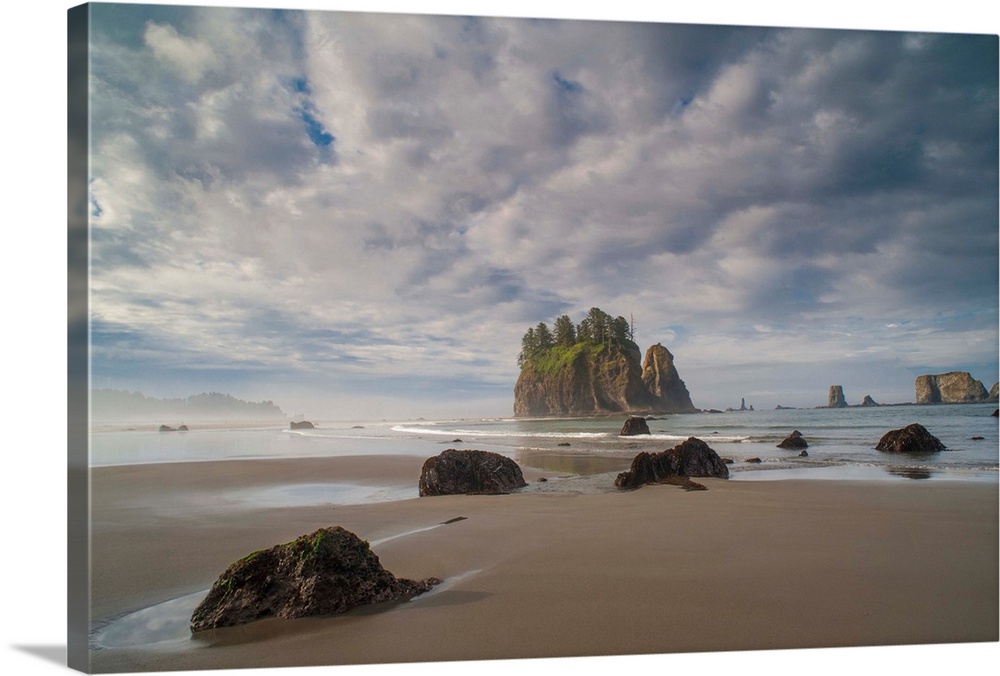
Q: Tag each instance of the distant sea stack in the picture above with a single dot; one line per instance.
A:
(836, 397)
(955, 387)
(593, 368)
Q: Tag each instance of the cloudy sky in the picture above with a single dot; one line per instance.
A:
(359, 215)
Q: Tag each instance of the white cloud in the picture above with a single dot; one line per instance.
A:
(190, 57)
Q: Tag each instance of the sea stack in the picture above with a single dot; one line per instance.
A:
(596, 379)
(664, 384)
(955, 387)
(836, 397)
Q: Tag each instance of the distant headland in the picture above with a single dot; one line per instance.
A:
(121, 406)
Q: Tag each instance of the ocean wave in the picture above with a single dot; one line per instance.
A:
(499, 434)
(331, 434)
(707, 438)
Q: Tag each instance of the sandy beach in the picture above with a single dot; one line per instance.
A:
(555, 573)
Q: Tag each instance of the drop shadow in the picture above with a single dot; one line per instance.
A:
(50, 653)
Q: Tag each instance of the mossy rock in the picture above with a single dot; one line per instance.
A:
(325, 572)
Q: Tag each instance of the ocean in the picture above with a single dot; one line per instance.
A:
(841, 441)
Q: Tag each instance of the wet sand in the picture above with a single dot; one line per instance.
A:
(555, 573)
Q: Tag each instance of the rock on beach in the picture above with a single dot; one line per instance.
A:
(911, 439)
(326, 572)
(692, 458)
(633, 426)
(795, 440)
(469, 472)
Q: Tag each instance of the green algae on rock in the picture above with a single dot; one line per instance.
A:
(326, 572)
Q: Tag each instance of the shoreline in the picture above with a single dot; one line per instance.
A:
(746, 565)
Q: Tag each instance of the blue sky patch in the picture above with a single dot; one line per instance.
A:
(566, 85)
(307, 112)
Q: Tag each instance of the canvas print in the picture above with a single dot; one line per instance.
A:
(417, 338)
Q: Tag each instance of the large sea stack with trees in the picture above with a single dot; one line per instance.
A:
(595, 368)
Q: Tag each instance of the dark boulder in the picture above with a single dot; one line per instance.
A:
(691, 458)
(754, 461)
(911, 439)
(795, 440)
(329, 571)
(167, 428)
(633, 426)
(469, 472)
(803, 454)
(302, 425)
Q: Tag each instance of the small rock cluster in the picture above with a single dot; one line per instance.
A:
(692, 458)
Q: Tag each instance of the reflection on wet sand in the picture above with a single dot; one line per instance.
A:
(911, 473)
(566, 462)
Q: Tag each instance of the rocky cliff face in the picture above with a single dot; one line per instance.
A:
(664, 384)
(956, 387)
(589, 379)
